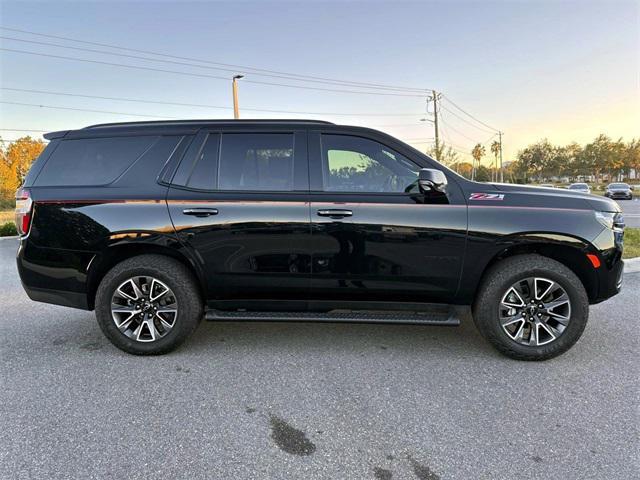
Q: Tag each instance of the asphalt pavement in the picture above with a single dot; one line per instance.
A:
(631, 211)
(313, 401)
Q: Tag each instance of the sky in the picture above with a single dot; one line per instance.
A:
(562, 70)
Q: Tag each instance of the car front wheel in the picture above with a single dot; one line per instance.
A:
(531, 307)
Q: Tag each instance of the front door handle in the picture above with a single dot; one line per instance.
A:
(200, 212)
(335, 213)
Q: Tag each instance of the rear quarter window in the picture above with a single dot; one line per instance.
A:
(92, 161)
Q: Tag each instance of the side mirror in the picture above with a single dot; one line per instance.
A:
(432, 180)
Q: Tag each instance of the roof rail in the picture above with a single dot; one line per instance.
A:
(206, 122)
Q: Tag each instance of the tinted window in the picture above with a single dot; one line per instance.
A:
(202, 174)
(355, 164)
(256, 161)
(92, 161)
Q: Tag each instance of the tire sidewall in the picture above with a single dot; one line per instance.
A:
(186, 319)
(488, 316)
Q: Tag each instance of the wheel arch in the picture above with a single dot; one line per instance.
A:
(571, 254)
(111, 256)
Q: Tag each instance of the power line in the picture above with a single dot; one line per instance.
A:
(86, 110)
(449, 143)
(10, 140)
(188, 64)
(490, 138)
(399, 125)
(23, 130)
(468, 114)
(465, 120)
(457, 131)
(235, 67)
(160, 102)
(203, 75)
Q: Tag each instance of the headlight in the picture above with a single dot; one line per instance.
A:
(611, 220)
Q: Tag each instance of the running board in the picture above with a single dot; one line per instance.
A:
(445, 316)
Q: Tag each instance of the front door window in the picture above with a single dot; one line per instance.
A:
(355, 164)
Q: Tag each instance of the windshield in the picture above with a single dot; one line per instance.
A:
(618, 185)
(578, 186)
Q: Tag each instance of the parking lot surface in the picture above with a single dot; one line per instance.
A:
(631, 211)
(313, 401)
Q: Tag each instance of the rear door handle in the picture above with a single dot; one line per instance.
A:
(335, 213)
(200, 212)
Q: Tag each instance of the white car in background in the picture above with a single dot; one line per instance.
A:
(580, 187)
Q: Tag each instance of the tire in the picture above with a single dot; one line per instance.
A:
(494, 289)
(183, 296)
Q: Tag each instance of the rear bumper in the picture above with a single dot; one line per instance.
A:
(57, 297)
(53, 275)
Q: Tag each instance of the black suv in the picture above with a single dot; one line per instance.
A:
(156, 225)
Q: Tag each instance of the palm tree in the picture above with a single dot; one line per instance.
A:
(495, 149)
(477, 153)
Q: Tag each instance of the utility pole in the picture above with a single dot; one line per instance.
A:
(236, 108)
(501, 167)
(435, 123)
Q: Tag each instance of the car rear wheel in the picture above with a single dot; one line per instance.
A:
(148, 305)
(531, 307)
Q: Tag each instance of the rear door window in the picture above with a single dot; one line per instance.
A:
(256, 161)
(199, 169)
(92, 161)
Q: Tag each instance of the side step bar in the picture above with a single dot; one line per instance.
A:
(445, 316)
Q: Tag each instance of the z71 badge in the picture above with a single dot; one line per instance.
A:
(486, 196)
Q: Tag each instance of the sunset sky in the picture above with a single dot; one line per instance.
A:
(562, 70)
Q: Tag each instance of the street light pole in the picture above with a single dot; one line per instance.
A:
(236, 108)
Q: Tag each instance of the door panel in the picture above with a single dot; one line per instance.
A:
(251, 241)
(387, 250)
(376, 237)
(252, 248)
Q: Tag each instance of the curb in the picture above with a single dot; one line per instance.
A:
(632, 265)
(9, 238)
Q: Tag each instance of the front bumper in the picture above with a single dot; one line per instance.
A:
(609, 245)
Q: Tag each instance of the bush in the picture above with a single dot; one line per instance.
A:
(8, 229)
(631, 242)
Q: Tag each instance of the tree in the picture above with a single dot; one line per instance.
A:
(477, 153)
(535, 161)
(483, 174)
(599, 157)
(15, 162)
(463, 168)
(569, 161)
(447, 155)
(495, 149)
(631, 157)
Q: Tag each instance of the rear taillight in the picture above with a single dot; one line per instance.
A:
(24, 209)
